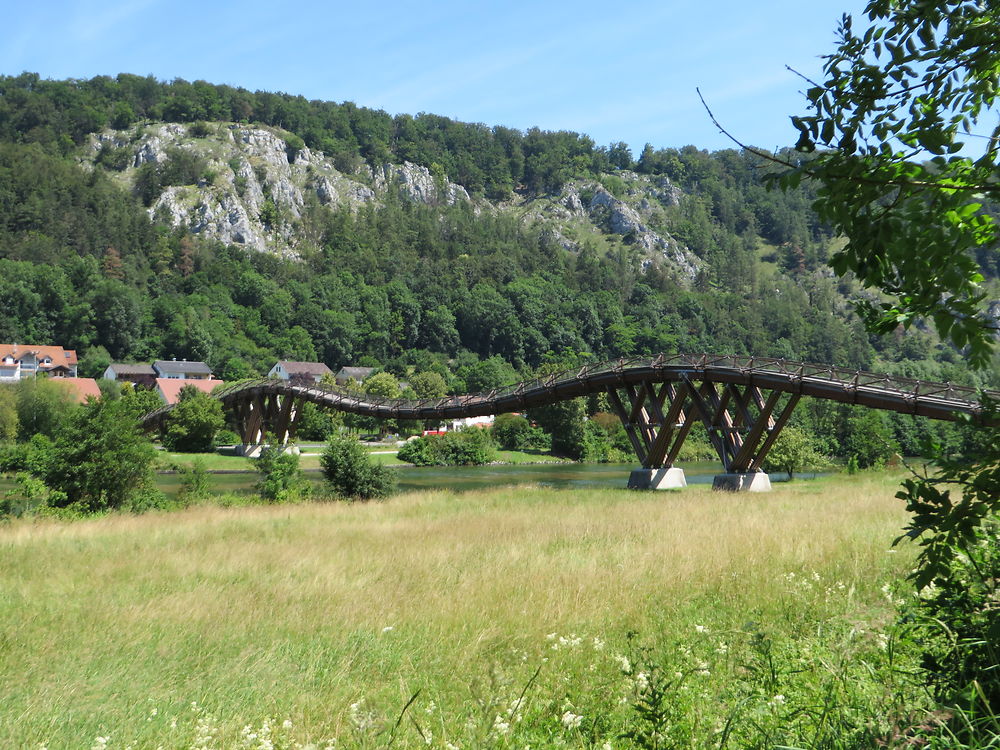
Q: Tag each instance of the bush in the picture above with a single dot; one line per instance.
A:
(470, 447)
(101, 460)
(513, 432)
(194, 481)
(226, 437)
(351, 473)
(193, 422)
(281, 480)
(793, 451)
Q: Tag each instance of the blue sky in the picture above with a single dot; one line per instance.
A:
(615, 71)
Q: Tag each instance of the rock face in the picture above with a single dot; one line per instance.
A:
(255, 190)
(994, 314)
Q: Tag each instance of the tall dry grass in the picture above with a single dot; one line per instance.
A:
(111, 627)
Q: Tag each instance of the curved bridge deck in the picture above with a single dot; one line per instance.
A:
(743, 402)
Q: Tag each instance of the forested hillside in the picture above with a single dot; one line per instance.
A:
(528, 247)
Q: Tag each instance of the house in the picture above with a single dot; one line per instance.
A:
(81, 388)
(169, 389)
(460, 424)
(143, 375)
(28, 360)
(357, 374)
(300, 372)
(181, 370)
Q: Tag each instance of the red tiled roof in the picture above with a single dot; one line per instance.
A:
(170, 388)
(57, 354)
(82, 388)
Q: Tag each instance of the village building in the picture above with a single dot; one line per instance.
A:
(169, 389)
(175, 369)
(81, 388)
(300, 372)
(19, 361)
(464, 422)
(357, 374)
(143, 375)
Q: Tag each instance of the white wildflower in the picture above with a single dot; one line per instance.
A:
(500, 725)
(570, 641)
(624, 664)
(388, 629)
(598, 644)
(642, 681)
(100, 743)
(451, 746)
(778, 700)
(700, 629)
(571, 720)
(362, 719)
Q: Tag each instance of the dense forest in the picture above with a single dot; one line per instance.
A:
(482, 297)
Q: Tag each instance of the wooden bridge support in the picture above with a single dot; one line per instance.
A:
(264, 419)
(741, 423)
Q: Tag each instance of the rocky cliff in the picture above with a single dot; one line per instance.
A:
(254, 187)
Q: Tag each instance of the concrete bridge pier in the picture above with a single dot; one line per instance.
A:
(751, 481)
(254, 451)
(665, 478)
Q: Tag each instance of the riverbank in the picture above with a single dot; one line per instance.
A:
(505, 614)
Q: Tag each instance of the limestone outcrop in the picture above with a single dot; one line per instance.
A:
(254, 189)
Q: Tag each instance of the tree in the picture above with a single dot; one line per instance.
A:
(191, 425)
(428, 385)
(892, 140)
(101, 460)
(281, 479)
(8, 414)
(511, 431)
(893, 144)
(43, 407)
(351, 472)
(793, 451)
(564, 421)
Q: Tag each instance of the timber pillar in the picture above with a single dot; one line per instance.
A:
(741, 423)
(265, 418)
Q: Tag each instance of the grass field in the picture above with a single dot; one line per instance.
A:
(510, 615)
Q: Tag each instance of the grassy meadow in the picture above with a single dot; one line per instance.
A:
(513, 617)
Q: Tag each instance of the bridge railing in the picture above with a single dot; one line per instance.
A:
(698, 364)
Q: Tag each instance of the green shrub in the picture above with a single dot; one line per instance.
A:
(469, 447)
(194, 480)
(513, 432)
(351, 473)
(281, 479)
(192, 424)
(226, 437)
(101, 461)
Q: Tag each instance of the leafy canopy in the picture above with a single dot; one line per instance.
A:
(894, 133)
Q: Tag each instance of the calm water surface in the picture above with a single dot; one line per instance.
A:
(460, 478)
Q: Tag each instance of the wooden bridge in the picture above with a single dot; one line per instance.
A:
(743, 403)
